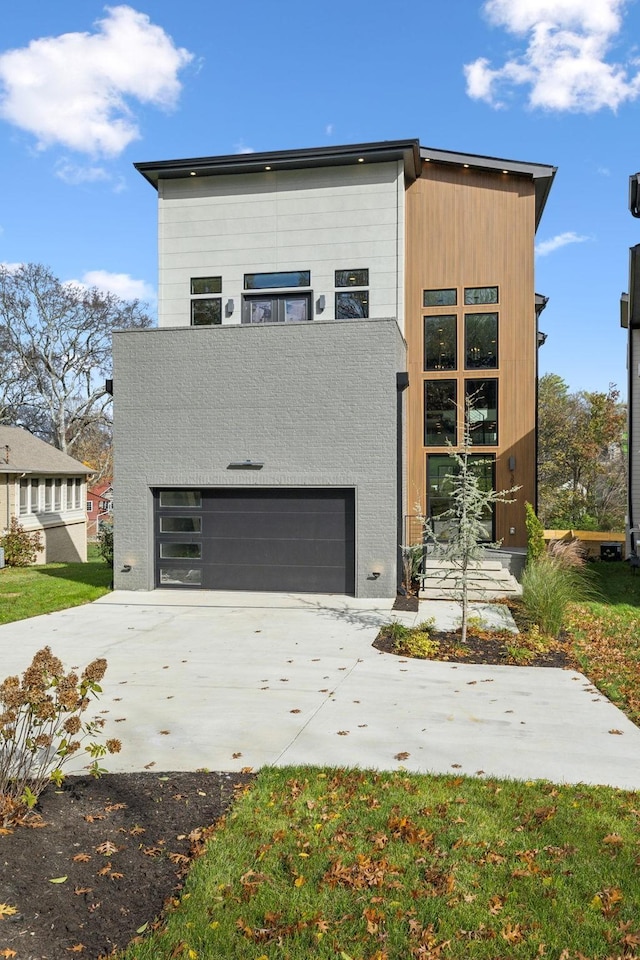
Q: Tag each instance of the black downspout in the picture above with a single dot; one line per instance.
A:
(402, 382)
(632, 536)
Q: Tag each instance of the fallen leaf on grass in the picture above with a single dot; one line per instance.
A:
(6, 910)
(613, 839)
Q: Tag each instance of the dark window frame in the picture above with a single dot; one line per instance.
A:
(278, 306)
(342, 296)
(355, 282)
(443, 301)
(480, 303)
(441, 317)
(197, 303)
(475, 432)
(450, 435)
(279, 281)
(479, 365)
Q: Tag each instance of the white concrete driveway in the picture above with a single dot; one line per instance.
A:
(226, 680)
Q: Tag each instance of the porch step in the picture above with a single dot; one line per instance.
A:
(488, 580)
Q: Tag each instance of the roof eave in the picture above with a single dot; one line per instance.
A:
(380, 152)
(542, 174)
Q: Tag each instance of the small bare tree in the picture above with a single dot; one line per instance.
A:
(464, 536)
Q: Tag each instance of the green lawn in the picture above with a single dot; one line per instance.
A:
(606, 636)
(29, 591)
(363, 866)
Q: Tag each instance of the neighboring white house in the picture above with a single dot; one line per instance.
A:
(46, 490)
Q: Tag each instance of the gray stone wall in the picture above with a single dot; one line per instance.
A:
(315, 402)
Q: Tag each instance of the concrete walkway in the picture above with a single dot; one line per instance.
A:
(226, 680)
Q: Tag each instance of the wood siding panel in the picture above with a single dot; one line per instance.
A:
(467, 228)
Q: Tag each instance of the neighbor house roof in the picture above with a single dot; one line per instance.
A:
(21, 452)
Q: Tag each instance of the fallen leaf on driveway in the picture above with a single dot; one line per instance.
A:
(343, 733)
(618, 732)
(295, 711)
(403, 755)
(235, 756)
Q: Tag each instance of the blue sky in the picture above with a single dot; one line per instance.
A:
(86, 90)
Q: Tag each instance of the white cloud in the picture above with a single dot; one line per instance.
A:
(121, 284)
(564, 64)
(241, 147)
(560, 240)
(328, 129)
(77, 88)
(11, 267)
(74, 174)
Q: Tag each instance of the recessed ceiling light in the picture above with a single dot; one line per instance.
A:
(360, 159)
(267, 168)
(427, 159)
(466, 166)
(505, 171)
(192, 174)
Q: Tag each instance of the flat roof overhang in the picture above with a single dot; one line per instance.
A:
(386, 150)
(542, 174)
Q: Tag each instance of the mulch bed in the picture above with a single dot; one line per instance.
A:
(486, 650)
(123, 844)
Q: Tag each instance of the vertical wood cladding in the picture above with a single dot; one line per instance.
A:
(471, 228)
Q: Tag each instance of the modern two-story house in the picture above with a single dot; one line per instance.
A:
(323, 315)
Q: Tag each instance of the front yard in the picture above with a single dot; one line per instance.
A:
(30, 591)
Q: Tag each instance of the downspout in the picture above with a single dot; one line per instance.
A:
(632, 536)
(402, 382)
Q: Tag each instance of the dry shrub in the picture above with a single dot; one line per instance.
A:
(42, 725)
(568, 553)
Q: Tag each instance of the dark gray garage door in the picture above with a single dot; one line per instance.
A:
(295, 540)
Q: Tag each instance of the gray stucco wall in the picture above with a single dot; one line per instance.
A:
(315, 402)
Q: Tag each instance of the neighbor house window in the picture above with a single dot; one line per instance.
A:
(480, 295)
(48, 496)
(35, 496)
(24, 496)
(70, 495)
(440, 335)
(57, 502)
(481, 341)
(206, 311)
(77, 493)
(481, 396)
(440, 412)
(439, 298)
(89, 506)
(270, 281)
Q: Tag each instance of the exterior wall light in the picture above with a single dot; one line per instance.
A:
(321, 303)
(229, 307)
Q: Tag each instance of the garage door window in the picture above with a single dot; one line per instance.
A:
(180, 577)
(180, 524)
(180, 551)
(180, 498)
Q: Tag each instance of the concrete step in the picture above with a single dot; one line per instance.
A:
(488, 580)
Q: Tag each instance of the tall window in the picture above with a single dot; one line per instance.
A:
(24, 496)
(353, 303)
(440, 469)
(482, 397)
(440, 412)
(440, 334)
(277, 308)
(206, 311)
(480, 341)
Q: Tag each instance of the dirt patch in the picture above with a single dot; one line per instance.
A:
(122, 844)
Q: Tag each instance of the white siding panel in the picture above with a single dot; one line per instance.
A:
(320, 220)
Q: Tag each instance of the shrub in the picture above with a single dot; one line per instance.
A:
(105, 542)
(418, 644)
(568, 553)
(548, 586)
(20, 548)
(536, 547)
(42, 726)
